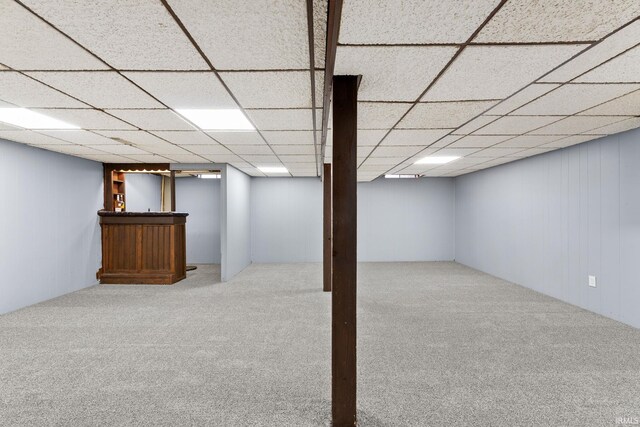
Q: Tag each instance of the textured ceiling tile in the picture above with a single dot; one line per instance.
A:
(248, 34)
(262, 149)
(370, 137)
(82, 137)
(396, 151)
(608, 48)
(443, 114)
(385, 163)
(445, 141)
(261, 159)
(364, 151)
(534, 151)
(495, 72)
(25, 92)
(528, 141)
(282, 119)
(30, 44)
(570, 140)
(87, 119)
(621, 126)
(475, 124)
(121, 149)
(320, 8)
(236, 138)
(528, 94)
(163, 148)
(185, 137)
(5, 126)
(224, 158)
(109, 158)
(624, 68)
(187, 158)
(478, 141)
(577, 124)
(136, 137)
(413, 21)
(373, 115)
(138, 35)
(101, 89)
(73, 149)
(153, 119)
(30, 137)
(461, 152)
(628, 105)
(497, 152)
(289, 137)
(282, 89)
(572, 98)
(149, 158)
(422, 137)
(319, 95)
(185, 89)
(552, 20)
(392, 73)
(307, 149)
(207, 150)
(299, 159)
(516, 125)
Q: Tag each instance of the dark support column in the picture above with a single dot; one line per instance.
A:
(326, 262)
(173, 191)
(343, 327)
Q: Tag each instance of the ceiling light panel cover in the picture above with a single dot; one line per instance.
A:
(153, 119)
(87, 119)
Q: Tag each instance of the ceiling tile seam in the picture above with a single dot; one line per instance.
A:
(468, 43)
(441, 73)
(186, 32)
(371, 101)
(312, 75)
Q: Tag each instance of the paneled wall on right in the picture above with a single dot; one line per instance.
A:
(551, 221)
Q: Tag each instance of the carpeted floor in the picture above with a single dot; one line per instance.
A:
(439, 344)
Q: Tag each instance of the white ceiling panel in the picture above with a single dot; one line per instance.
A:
(262, 149)
(282, 119)
(475, 124)
(526, 95)
(187, 158)
(163, 148)
(621, 126)
(299, 159)
(120, 149)
(516, 125)
(30, 137)
(110, 158)
(82, 137)
(421, 137)
(307, 149)
(320, 30)
(25, 92)
(627, 105)
(270, 89)
(460, 152)
(319, 93)
(132, 136)
(262, 159)
(273, 35)
(185, 89)
(369, 136)
(384, 163)
(577, 124)
(497, 152)
(391, 73)
(396, 151)
(207, 150)
(224, 158)
(445, 141)
(149, 158)
(5, 126)
(478, 141)
(30, 44)
(375, 115)
(138, 35)
(185, 137)
(153, 119)
(554, 21)
(571, 140)
(294, 137)
(364, 151)
(608, 48)
(528, 141)
(73, 149)
(405, 22)
(573, 98)
(236, 138)
(443, 114)
(87, 119)
(496, 72)
(101, 89)
(624, 68)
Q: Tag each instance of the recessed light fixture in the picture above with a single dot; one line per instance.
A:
(273, 169)
(209, 176)
(31, 120)
(401, 176)
(436, 160)
(207, 119)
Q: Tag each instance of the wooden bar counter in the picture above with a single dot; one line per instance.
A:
(143, 247)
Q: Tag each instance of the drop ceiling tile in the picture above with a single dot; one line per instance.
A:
(307, 149)
(28, 43)
(273, 35)
(304, 173)
(136, 137)
(445, 141)
(299, 159)
(208, 150)
(149, 158)
(516, 125)
(443, 114)
(109, 158)
(73, 149)
(368, 136)
(223, 158)
(375, 115)
(404, 22)
(573, 98)
(526, 95)
(571, 140)
(101, 89)
(289, 137)
(138, 35)
(623, 68)
(421, 137)
(475, 124)
(30, 137)
(599, 53)
(577, 124)
(270, 89)
(262, 149)
(23, 91)
(282, 119)
(621, 126)
(384, 162)
(185, 137)
(319, 93)
(497, 152)
(87, 118)
(396, 151)
(120, 149)
(478, 141)
(553, 21)
(153, 119)
(533, 151)
(261, 160)
(187, 158)
(461, 152)
(5, 126)
(236, 138)
(163, 148)
(528, 141)
(627, 105)
(496, 72)
(391, 73)
(320, 30)
(81, 137)
(364, 151)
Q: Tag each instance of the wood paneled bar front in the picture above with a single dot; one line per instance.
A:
(143, 247)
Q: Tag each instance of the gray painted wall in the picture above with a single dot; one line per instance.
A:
(549, 221)
(143, 192)
(49, 231)
(235, 222)
(398, 220)
(201, 199)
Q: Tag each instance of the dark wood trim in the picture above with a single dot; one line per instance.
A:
(326, 229)
(344, 203)
(173, 191)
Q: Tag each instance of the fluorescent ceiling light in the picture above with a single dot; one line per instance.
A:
(436, 160)
(209, 176)
(31, 120)
(273, 169)
(217, 119)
